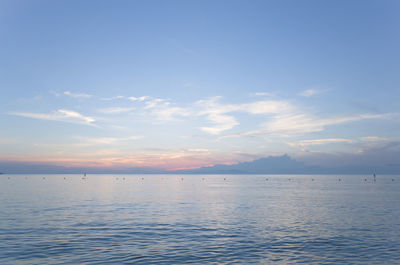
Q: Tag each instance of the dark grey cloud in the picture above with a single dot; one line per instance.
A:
(383, 157)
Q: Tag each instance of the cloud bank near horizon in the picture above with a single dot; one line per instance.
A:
(210, 124)
(284, 164)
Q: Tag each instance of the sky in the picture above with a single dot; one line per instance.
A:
(186, 84)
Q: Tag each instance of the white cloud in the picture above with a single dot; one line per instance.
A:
(117, 110)
(100, 140)
(143, 98)
(266, 107)
(77, 95)
(223, 123)
(294, 124)
(261, 94)
(216, 112)
(156, 102)
(198, 150)
(113, 98)
(318, 142)
(88, 141)
(59, 115)
(302, 123)
(309, 92)
(373, 139)
(163, 110)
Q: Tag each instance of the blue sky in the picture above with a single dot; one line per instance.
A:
(184, 84)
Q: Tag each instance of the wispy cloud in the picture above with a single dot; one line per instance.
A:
(310, 92)
(142, 98)
(217, 113)
(117, 110)
(302, 123)
(77, 95)
(261, 94)
(373, 139)
(54, 93)
(266, 107)
(59, 115)
(222, 123)
(113, 98)
(164, 110)
(87, 141)
(319, 142)
(198, 150)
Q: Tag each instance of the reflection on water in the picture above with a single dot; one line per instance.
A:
(64, 219)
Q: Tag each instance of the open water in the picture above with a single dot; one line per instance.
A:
(201, 219)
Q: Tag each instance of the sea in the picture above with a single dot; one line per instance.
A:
(199, 219)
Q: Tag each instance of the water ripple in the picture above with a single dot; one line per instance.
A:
(239, 222)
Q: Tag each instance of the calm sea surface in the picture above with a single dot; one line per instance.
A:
(218, 219)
